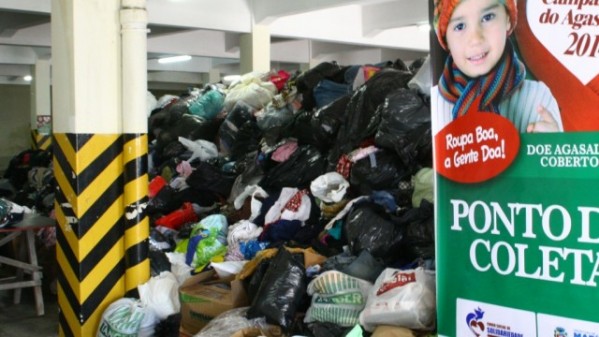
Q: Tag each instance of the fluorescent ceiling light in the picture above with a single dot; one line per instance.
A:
(173, 59)
(27, 78)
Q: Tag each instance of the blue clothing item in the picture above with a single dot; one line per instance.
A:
(385, 199)
(327, 91)
(208, 105)
(365, 267)
(194, 241)
(335, 232)
(250, 248)
(282, 230)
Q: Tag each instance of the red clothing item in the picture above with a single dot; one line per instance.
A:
(344, 166)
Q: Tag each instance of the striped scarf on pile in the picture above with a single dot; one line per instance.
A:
(507, 76)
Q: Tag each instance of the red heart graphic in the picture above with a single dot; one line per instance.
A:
(477, 324)
(579, 104)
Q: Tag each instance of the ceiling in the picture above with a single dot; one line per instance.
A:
(303, 34)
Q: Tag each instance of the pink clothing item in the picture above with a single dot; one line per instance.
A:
(184, 169)
(283, 152)
(362, 152)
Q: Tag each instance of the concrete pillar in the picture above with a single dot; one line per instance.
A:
(214, 75)
(134, 22)
(255, 50)
(41, 112)
(90, 166)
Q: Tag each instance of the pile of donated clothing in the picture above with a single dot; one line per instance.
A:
(308, 196)
(303, 200)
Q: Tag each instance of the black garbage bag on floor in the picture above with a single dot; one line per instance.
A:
(281, 291)
(369, 227)
(252, 284)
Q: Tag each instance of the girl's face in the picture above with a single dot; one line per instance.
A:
(476, 35)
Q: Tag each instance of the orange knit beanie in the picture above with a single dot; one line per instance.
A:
(444, 9)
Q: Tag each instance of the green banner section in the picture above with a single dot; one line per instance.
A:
(527, 239)
(557, 155)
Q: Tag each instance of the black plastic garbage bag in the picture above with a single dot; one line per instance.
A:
(418, 149)
(239, 133)
(207, 177)
(163, 202)
(362, 108)
(187, 126)
(327, 329)
(158, 262)
(381, 170)
(320, 128)
(274, 122)
(308, 80)
(419, 238)
(164, 118)
(402, 113)
(303, 166)
(369, 227)
(252, 284)
(301, 127)
(173, 150)
(281, 291)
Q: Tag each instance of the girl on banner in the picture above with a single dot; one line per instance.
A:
(483, 72)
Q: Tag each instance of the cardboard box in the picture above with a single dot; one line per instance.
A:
(205, 296)
(269, 331)
(183, 333)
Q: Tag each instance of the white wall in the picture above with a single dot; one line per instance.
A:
(15, 134)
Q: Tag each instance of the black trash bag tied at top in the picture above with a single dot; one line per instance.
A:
(281, 291)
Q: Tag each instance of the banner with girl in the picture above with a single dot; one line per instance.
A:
(515, 113)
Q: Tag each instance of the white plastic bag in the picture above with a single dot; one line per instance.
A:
(161, 295)
(202, 149)
(127, 317)
(178, 266)
(252, 89)
(423, 79)
(329, 187)
(402, 298)
(257, 193)
(227, 268)
(336, 298)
